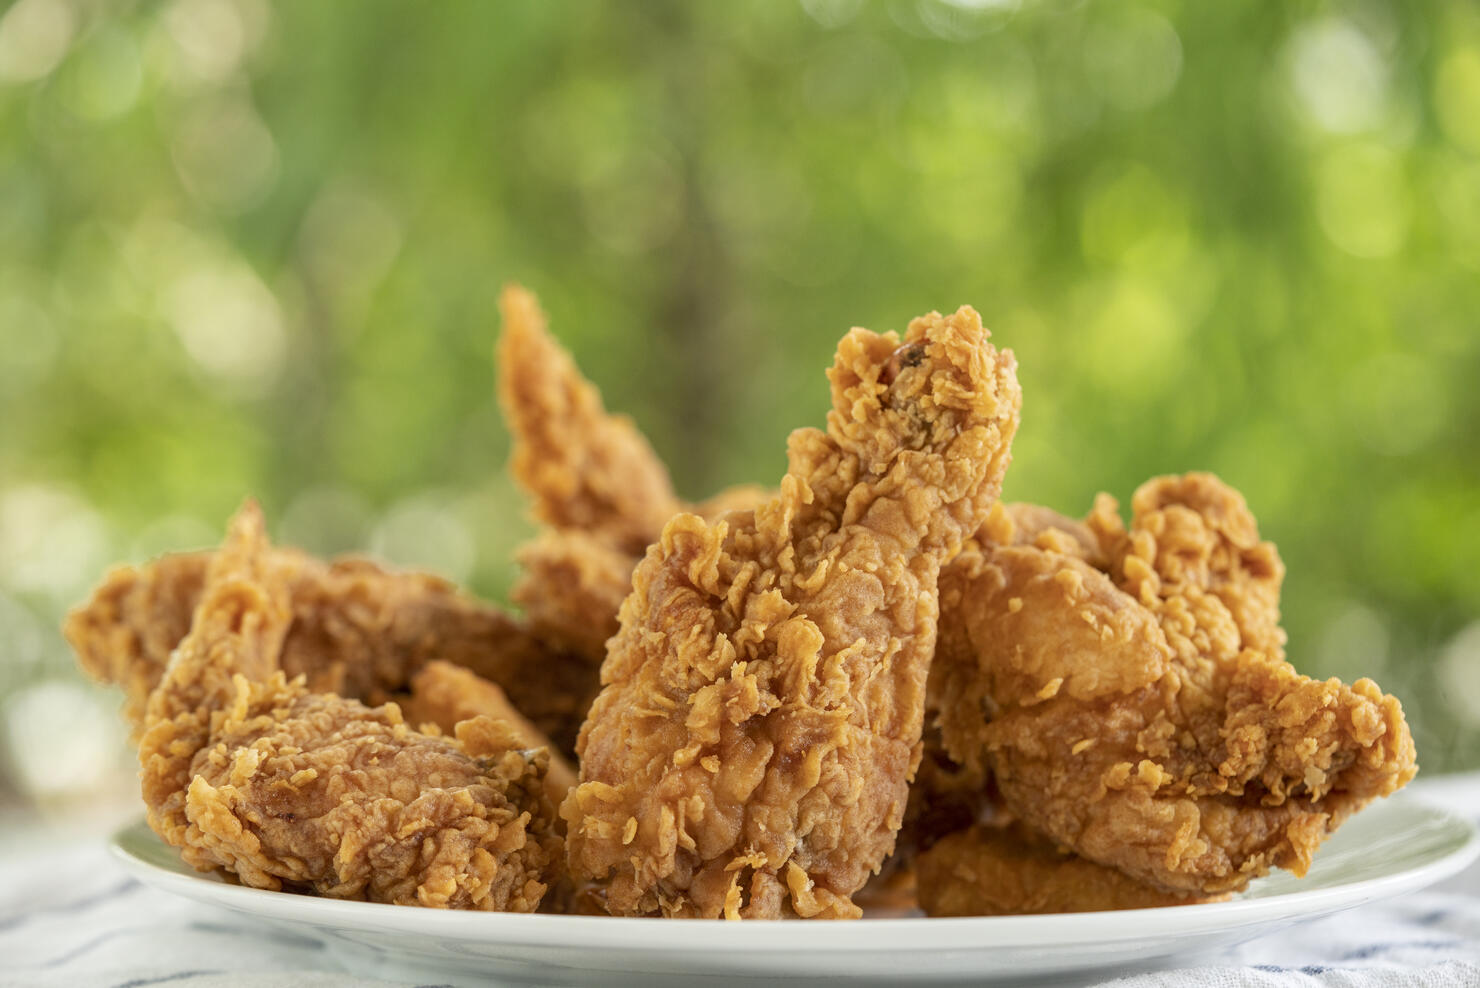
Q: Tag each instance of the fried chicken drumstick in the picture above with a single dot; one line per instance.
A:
(1131, 698)
(247, 771)
(761, 706)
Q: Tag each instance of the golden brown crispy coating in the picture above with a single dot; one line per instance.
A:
(445, 695)
(1142, 714)
(946, 795)
(596, 484)
(247, 771)
(571, 588)
(762, 702)
(357, 629)
(1007, 871)
(587, 469)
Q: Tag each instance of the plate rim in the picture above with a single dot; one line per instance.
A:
(923, 933)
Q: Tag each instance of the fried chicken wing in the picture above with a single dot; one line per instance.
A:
(1010, 871)
(247, 771)
(597, 485)
(588, 470)
(947, 795)
(761, 711)
(1133, 702)
(357, 629)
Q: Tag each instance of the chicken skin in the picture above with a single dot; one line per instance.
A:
(357, 629)
(247, 771)
(761, 707)
(1132, 701)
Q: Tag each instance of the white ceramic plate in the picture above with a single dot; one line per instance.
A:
(1393, 847)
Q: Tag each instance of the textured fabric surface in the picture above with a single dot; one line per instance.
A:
(69, 916)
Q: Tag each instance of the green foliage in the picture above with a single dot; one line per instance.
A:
(255, 250)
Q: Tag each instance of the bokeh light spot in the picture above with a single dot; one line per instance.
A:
(1458, 671)
(1136, 218)
(34, 35)
(20, 641)
(424, 532)
(209, 35)
(1338, 75)
(1362, 200)
(963, 20)
(173, 533)
(349, 240)
(1133, 336)
(230, 324)
(832, 13)
(327, 521)
(1134, 57)
(51, 542)
(1457, 97)
(225, 155)
(103, 78)
(61, 738)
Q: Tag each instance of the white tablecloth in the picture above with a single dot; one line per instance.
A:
(70, 916)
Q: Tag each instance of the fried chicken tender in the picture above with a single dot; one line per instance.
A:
(445, 695)
(1010, 871)
(247, 771)
(357, 629)
(1132, 700)
(761, 709)
(597, 485)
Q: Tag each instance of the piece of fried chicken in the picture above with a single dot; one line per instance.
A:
(247, 771)
(357, 629)
(600, 492)
(760, 715)
(444, 695)
(1130, 696)
(946, 795)
(1009, 870)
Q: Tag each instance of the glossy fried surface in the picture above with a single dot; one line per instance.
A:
(762, 702)
(247, 771)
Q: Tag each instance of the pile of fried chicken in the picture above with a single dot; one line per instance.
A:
(874, 685)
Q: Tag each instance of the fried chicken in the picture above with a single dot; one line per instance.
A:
(357, 629)
(601, 492)
(247, 771)
(1010, 870)
(946, 795)
(760, 716)
(445, 695)
(1131, 698)
(587, 469)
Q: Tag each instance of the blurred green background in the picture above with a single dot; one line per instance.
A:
(255, 249)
